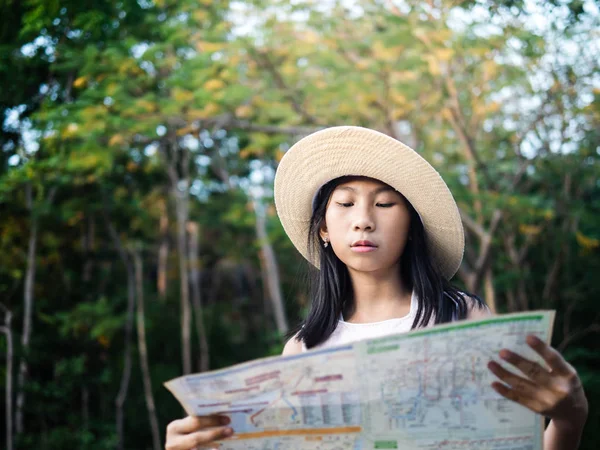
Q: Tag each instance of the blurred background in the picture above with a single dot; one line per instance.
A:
(138, 145)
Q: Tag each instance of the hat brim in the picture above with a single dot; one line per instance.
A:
(339, 151)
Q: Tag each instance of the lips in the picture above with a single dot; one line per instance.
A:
(363, 244)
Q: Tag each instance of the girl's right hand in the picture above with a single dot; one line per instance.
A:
(197, 432)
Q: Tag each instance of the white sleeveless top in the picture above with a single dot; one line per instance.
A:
(347, 332)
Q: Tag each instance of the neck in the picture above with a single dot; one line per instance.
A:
(378, 296)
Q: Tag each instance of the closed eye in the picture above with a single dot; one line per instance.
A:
(382, 205)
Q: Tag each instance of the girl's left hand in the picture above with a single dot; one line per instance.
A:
(556, 393)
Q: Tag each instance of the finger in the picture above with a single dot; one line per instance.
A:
(194, 423)
(204, 437)
(516, 383)
(531, 369)
(552, 357)
(517, 397)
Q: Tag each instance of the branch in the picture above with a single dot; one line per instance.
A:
(232, 124)
(264, 61)
(455, 118)
(270, 129)
(472, 225)
(486, 249)
(5, 309)
(594, 328)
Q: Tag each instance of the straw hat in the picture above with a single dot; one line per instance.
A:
(338, 151)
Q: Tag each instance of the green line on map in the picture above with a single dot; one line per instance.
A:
(387, 348)
(386, 444)
(479, 323)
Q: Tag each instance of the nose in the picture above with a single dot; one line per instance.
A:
(363, 220)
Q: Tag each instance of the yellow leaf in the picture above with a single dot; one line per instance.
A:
(211, 109)
(363, 64)
(200, 15)
(182, 95)
(104, 341)
(146, 105)
(446, 113)
(278, 155)
(71, 130)
(80, 82)
(434, 66)
(289, 69)
(490, 69)
(444, 54)
(209, 47)
(398, 99)
(310, 37)
(183, 131)
(493, 107)
(117, 139)
(404, 76)
(111, 89)
(214, 85)
(244, 111)
(586, 242)
(531, 230)
(385, 53)
(399, 113)
(195, 114)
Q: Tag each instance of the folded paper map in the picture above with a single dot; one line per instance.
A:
(426, 389)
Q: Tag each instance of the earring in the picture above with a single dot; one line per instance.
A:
(325, 243)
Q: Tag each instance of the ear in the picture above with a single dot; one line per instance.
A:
(323, 231)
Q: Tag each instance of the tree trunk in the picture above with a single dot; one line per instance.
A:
(27, 325)
(163, 251)
(6, 329)
(85, 407)
(28, 299)
(490, 292)
(126, 375)
(143, 350)
(522, 299)
(270, 268)
(181, 202)
(267, 306)
(179, 158)
(511, 301)
(204, 362)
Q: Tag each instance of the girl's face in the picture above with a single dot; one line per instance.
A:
(367, 223)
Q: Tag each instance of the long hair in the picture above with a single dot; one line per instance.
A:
(331, 287)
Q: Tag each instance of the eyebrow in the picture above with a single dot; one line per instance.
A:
(377, 191)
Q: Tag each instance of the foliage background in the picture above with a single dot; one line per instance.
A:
(131, 130)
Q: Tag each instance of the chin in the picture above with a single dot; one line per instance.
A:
(367, 266)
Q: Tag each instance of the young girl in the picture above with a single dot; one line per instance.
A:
(385, 233)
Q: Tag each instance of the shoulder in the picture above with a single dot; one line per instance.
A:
(292, 347)
(476, 308)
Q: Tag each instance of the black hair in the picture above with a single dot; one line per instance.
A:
(331, 288)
